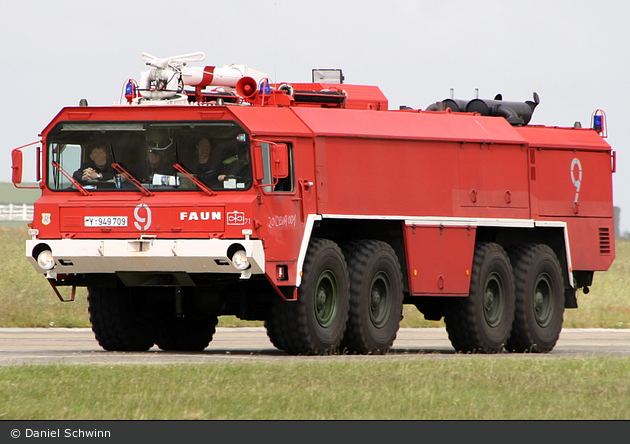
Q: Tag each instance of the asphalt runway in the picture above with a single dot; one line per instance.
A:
(78, 346)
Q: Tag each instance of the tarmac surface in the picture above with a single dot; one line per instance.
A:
(78, 346)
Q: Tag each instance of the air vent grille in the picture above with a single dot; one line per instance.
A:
(604, 240)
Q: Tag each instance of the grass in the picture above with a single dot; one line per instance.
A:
(431, 388)
(10, 194)
(27, 300)
(607, 305)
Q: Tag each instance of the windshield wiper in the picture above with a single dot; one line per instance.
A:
(74, 182)
(126, 174)
(131, 178)
(179, 167)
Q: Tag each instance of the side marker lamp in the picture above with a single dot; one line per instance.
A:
(45, 260)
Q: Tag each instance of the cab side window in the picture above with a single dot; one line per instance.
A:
(277, 167)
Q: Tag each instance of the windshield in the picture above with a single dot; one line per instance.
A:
(155, 155)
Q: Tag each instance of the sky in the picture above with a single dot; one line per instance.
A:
(575, 54)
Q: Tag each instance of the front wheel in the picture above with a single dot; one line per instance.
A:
(481, 322)
(186, 334)
(120, 320)
(539, 299)
(315, 323)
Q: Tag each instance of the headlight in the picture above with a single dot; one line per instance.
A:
(46, 260)
(239, 260)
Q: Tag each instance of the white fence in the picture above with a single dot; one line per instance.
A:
(16, 212)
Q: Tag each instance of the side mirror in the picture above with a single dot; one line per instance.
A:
(280, 160)
(17, 161)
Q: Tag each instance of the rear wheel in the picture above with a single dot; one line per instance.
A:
(315, 323)
(375, 297)
(539, 299)
(119, 320)
(481, 322)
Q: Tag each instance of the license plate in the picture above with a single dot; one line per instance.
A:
(105, 221)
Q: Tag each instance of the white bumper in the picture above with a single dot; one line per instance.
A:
(142, 255)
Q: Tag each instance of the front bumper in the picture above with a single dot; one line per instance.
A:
(75, 256)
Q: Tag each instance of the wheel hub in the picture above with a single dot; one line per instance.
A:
(538, 301)
(325, 299)
(543, 300)
(376, 298)
(380, 300)
(321, 299)
(493, 302)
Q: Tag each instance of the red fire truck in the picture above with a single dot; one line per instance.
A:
(315, 208)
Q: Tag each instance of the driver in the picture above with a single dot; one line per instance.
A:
(98, 168)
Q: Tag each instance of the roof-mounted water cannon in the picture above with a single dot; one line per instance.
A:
(168, 77)
(228, 76)
(165, 80)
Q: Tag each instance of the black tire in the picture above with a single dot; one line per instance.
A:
(118, 320)
(181, 325)
(481, 322)
(376, 296)
(539, 299)
(315, 323)
(189, 333)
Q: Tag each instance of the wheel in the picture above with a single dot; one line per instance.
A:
(186, 334)
(375, 297)
(539, 299)
(481, 322)
(315, 323)
(118, 319)
(180, 323)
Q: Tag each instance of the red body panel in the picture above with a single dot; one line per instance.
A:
(571, 181)
(443, 274)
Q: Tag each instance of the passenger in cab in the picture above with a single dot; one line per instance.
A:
(207, 165)
(156, 164)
